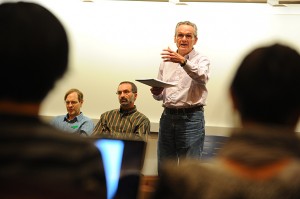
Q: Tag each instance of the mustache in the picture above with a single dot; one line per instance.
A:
(124, 99)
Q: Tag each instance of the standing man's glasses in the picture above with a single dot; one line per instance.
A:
(187, 36)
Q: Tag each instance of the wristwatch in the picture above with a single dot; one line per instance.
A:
(184, 63)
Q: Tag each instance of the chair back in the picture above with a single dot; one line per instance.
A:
(212, 144)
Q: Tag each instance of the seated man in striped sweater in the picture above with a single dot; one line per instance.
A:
(127, 119)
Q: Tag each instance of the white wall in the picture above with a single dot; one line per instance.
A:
(112, 41)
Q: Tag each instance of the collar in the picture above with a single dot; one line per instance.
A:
(191, 54)
(77, 118)
(261, 146)
(127, 112)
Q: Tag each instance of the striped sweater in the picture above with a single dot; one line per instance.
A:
(120, 121)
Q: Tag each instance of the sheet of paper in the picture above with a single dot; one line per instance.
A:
(156, 83)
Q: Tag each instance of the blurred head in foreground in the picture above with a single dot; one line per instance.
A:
(37, 160)
(266, 87)
(33, 49)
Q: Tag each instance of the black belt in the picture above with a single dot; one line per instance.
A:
(178, 111)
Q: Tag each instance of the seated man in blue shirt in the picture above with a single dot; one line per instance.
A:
(74, 121)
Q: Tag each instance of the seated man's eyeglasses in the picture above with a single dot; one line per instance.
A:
(71, 102)
(126, 92)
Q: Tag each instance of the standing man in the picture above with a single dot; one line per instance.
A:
(126, 119)
(182, 125)
(261, 159)
(74, 121)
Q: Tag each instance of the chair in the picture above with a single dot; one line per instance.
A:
(212, 144)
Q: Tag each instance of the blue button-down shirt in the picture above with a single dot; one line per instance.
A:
(80, 124)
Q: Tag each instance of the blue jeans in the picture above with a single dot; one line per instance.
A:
(180, 136)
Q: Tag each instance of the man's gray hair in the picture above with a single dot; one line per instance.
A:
(187, 23)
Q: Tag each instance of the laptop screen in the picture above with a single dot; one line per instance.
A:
(123, 159)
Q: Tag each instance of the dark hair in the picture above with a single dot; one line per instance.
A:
(133, 86)
(33, 49)
(266, 85)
